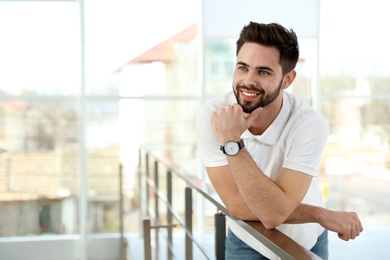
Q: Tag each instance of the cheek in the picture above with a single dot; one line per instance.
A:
(238, 78)
(270, 85)
(236, 81)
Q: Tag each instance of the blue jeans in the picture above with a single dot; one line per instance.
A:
(236, 249)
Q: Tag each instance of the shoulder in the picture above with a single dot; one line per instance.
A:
(303, 115)
(303, 111)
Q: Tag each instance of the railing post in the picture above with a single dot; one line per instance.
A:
(156, 209)
(123, 243)
(146, 181)
(169, 214)
(188, 222)
(274, 240)
(220, 235)
(140, 199)
(147, 240)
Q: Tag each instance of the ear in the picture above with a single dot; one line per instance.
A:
(288, 79)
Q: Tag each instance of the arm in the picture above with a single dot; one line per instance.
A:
(249, 195)
(346, 224)
(271, 202)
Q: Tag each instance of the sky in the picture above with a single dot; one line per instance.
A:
(37, 46)
(40, 41)
(355, 37)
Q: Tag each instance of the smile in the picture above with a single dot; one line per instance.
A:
(248, 95)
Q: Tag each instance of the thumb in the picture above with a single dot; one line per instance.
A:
(252, 116)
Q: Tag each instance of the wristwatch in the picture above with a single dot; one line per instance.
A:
(232, 148)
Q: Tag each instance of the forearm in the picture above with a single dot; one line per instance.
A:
(346, 224)
(254, 186)
(268, 200)
(304, 213)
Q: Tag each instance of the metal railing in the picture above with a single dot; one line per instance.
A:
(150, 177)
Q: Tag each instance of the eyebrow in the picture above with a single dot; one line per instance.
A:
(258, 67)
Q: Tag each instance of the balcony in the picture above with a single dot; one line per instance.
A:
(185, 238)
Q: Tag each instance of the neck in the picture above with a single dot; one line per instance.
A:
(266, 117)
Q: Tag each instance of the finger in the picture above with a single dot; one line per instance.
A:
(360, 226)
(359, 230)
(353, 234)
(252, 116)
(343, 237)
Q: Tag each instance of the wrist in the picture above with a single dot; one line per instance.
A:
(318, 215)
(223, 141)
(232, 147)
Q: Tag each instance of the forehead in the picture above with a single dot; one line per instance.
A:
(256, 55)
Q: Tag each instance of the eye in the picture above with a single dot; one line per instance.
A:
(263, 72)
(242, 68)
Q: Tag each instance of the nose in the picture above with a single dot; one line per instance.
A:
(251, 79)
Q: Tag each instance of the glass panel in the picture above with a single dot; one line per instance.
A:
(304, 85)
(38, 166)
(40, 52)
(103, 165)
(344, 50)
(166, 125)
(40, 161)
(354, 88)
(169, 68)
(356, 159)
(219, 62)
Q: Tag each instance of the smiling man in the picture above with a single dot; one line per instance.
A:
(261, 147)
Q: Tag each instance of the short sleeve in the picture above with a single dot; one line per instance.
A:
(209, 152)
(306, 145)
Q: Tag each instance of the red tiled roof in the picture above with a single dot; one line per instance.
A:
(16, 104)
(164, 51)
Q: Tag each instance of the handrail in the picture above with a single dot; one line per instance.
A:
(280, 244)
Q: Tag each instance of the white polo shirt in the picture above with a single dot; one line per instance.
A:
(295, 140)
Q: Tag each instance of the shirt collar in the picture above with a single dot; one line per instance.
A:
(272, 133)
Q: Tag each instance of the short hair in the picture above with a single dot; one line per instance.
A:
(272, 35)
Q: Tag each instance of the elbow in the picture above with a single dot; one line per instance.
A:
(274, 218)
(238, 212)
(272, 222)
(269, 222)
(234, 212)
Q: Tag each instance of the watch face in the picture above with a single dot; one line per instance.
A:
(231, 148)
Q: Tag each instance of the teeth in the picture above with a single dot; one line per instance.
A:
(248, 94)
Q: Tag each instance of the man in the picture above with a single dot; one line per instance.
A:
(261, 147)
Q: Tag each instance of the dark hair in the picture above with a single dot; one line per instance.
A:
(272, 35)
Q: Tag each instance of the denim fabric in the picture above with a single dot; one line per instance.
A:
(321, 247)
(236, 249)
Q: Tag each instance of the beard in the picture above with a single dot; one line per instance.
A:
(264, 99)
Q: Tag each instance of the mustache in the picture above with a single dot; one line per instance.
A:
(260, 90)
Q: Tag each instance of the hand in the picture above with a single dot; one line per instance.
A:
(346, 224)
(230, 122)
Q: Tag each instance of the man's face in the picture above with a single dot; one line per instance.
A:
(257, 78)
